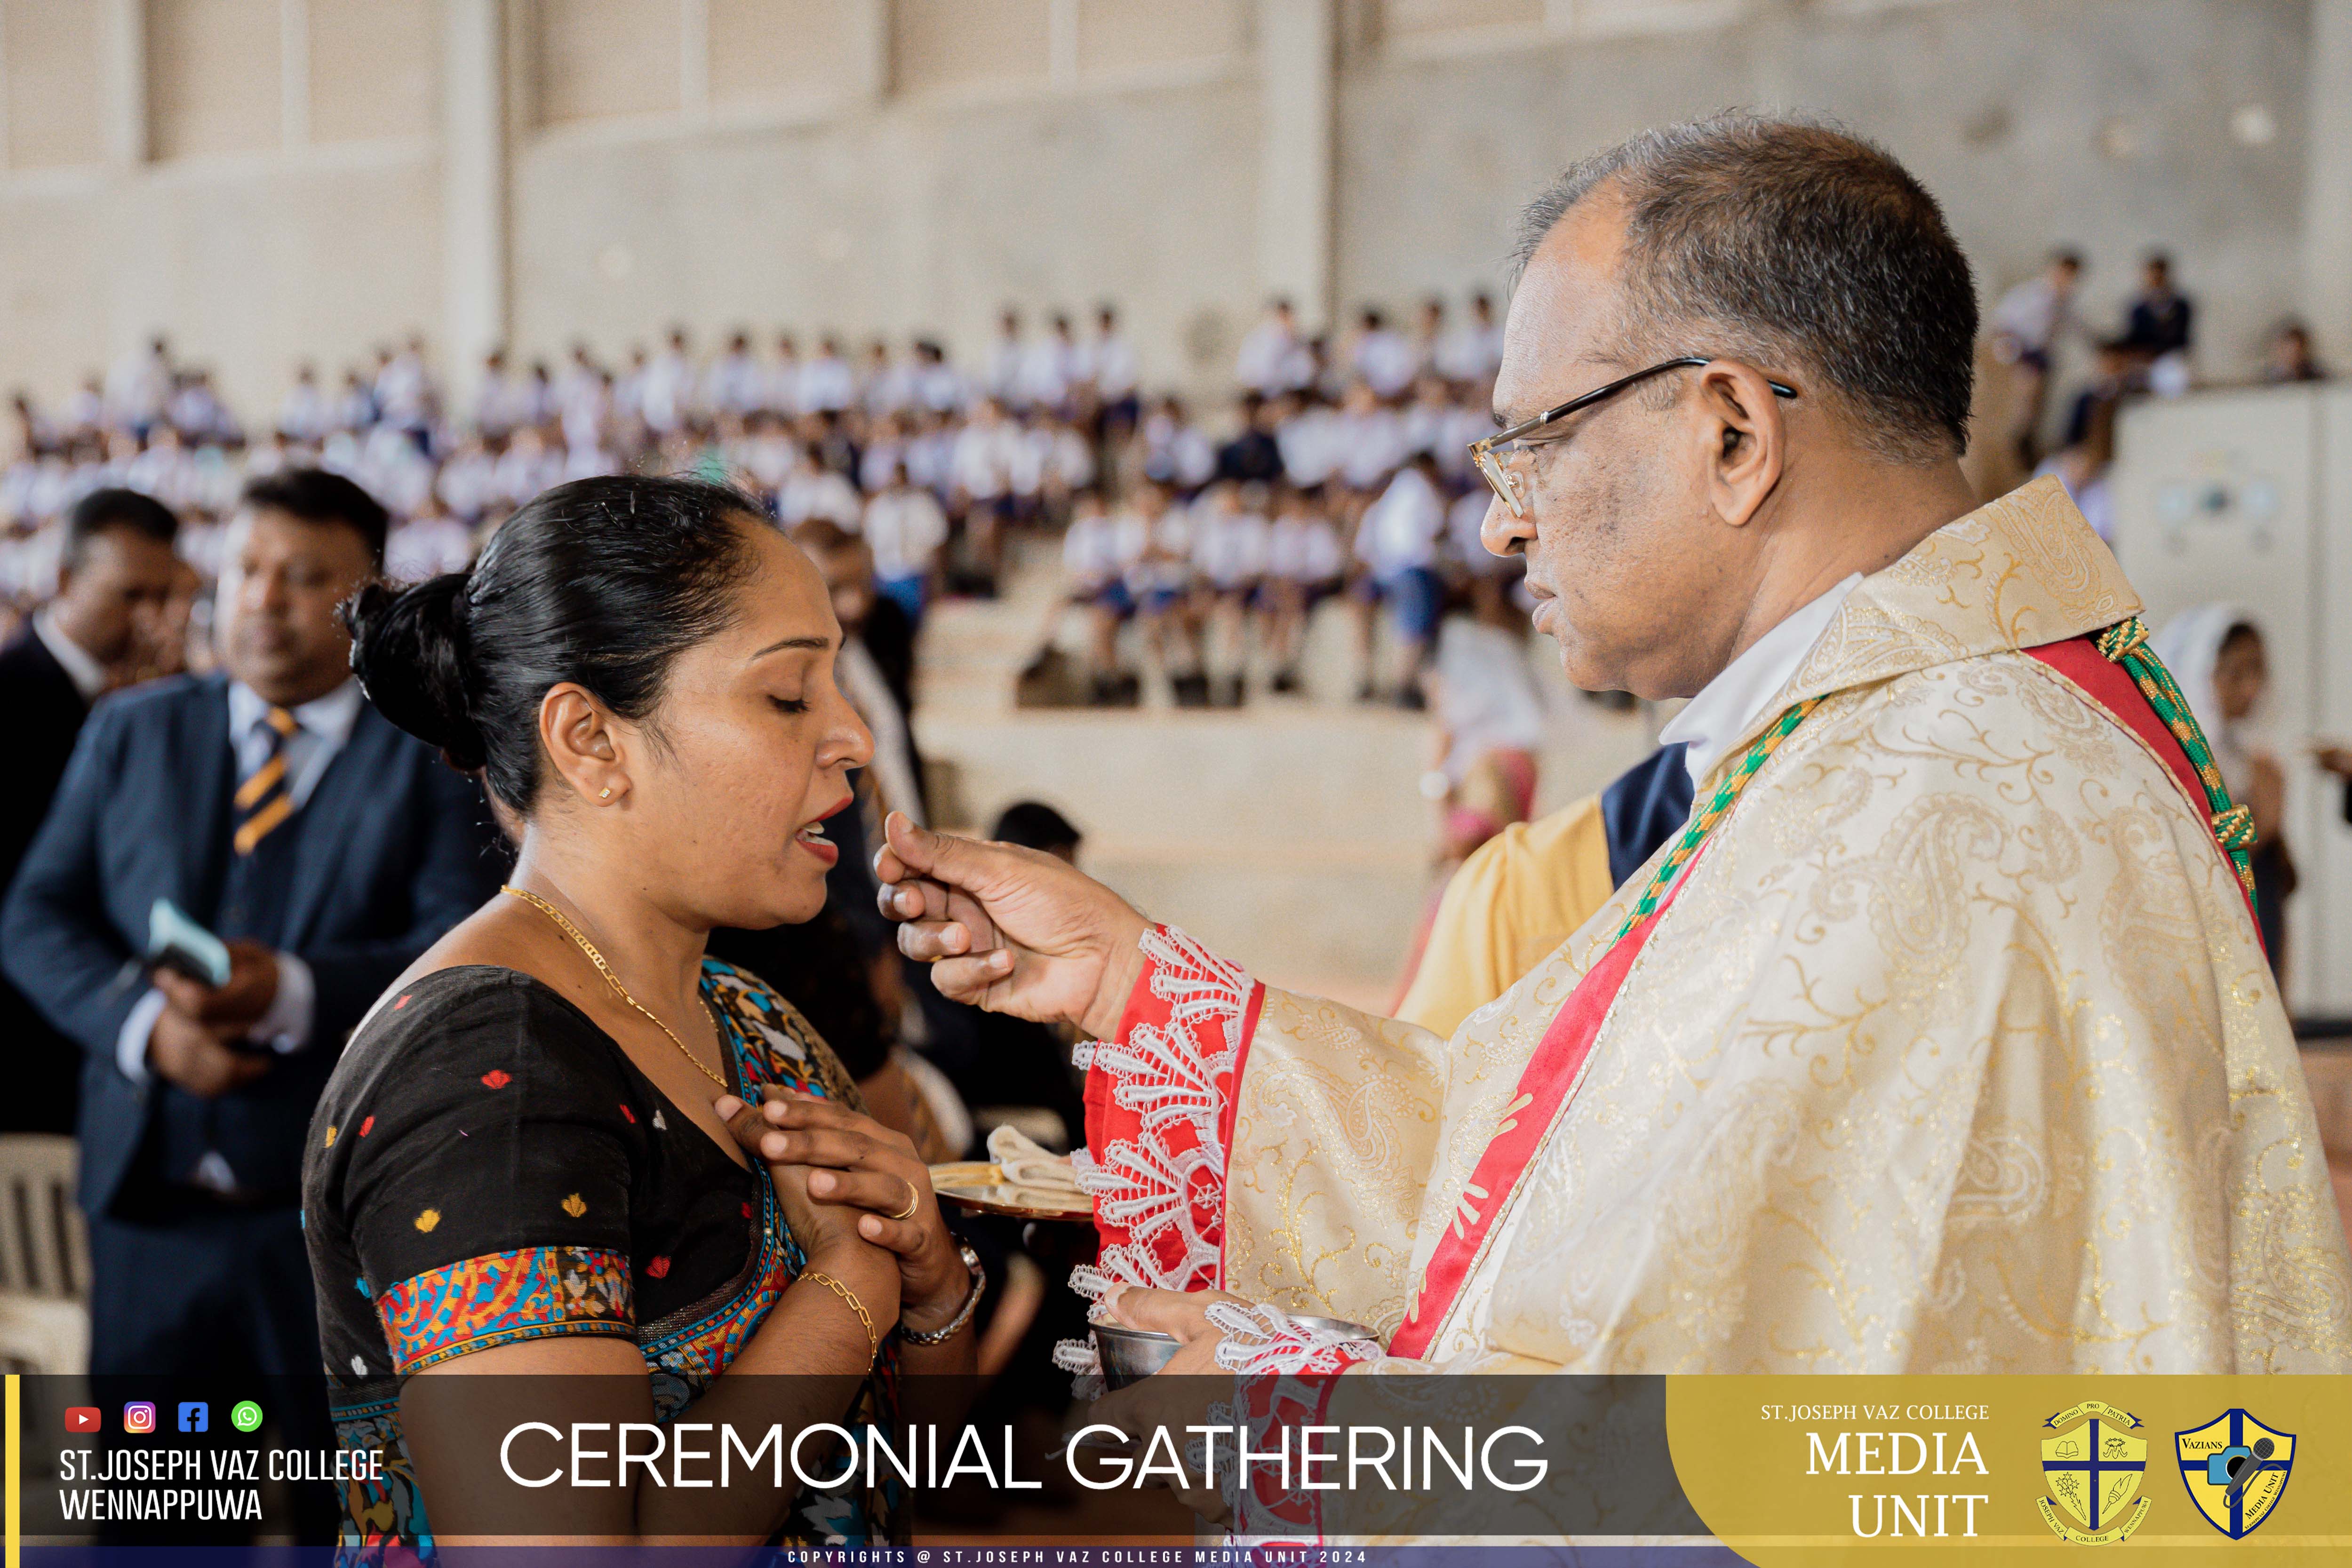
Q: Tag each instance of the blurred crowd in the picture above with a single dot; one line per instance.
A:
(1198, 541)
(2062, 423)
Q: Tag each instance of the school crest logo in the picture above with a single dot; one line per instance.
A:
(2093, 1464)
(2235, 1470)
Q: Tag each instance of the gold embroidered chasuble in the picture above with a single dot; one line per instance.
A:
(1954, 1051)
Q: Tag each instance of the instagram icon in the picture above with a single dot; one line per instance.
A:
(139, 1416)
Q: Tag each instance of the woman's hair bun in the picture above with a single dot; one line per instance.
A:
(411, 651)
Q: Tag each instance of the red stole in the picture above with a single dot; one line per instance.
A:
(1546, 1086)
(2111, 687)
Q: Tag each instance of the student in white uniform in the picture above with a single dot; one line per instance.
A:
(734, 383)
(304, 415)
(783, 379)
(1273, 361)
(1066, 464)
(1005, 360)
(1398, 543)
(1161, 582)
(885, 386)
(981, 467)
(814, 490)
(827, 384)
(1381, 356)
(1229, 555)
(1369, 442)
(938, 385)
(906, 529)
(1099, 551)
(1306, 563)
(1107, 366)
(1175, 452)
(1470, 353)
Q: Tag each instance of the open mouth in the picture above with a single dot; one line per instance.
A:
(813, 839)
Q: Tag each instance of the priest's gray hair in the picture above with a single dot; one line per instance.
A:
(1799, 247)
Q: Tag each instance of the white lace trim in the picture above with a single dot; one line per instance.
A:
(1168, 1077)
(1262, 1341)
(1079, 1359)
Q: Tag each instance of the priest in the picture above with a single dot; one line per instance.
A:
(1940, 1039)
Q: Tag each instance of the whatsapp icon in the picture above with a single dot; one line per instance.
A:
(245, 1416)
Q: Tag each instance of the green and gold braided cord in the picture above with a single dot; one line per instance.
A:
(2125, 644)
(1726, 790)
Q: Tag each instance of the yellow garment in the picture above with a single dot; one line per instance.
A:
(1518, 896)
(1955, 1052)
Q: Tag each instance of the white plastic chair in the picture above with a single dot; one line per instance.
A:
(44, 1258)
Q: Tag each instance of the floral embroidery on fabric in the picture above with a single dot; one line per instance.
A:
(505, 1296)
(1155, 1161)
(773, 1044)
(1261, 1341)
(769, 1042)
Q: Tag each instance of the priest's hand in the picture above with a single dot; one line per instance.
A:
(1009, 929)
(1179, 1395)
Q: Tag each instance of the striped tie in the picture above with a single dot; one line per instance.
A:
(263, 800)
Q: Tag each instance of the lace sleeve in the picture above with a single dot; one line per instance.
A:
(1159, 1112)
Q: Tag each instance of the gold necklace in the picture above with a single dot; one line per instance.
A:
(619, 989)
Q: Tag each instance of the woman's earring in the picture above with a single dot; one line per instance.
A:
(607, 794)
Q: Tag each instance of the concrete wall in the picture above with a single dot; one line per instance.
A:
(922, 216)
(881, 165)
(2102, 124)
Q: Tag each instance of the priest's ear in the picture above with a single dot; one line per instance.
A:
(1748, 441)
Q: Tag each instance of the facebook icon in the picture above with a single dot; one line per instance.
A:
(194, 1416)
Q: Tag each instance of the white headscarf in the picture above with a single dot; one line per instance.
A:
(2190, 646)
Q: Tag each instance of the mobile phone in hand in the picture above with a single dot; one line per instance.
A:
(176, 943)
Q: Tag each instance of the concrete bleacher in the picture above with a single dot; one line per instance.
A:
(1289, 833)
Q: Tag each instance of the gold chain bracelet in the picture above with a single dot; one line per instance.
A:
(873, 1339)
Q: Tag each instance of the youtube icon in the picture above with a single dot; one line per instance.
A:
(84, 1418)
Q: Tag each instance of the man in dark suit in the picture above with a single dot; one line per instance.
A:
(114, 587)
(271, 803)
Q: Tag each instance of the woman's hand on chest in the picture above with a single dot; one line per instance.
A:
(851, 1179)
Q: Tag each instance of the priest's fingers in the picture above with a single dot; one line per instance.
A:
(930, 904)
(913, 898)
(981, 869)
(1179, 1312)
(928, 941)
(968, 979)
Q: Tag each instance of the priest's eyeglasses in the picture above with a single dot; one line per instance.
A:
(1493, 454)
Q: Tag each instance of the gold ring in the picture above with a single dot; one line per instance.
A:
(914, 1196)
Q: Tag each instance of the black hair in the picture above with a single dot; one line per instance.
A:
(1797, 245)
(316, 496)
(101, 510)
(1035, 825)
(600, 581)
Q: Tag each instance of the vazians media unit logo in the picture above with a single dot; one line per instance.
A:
(2093, 1467)
(2235, 1470)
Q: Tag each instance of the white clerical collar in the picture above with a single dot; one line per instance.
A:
(87, 673)
(1729, 704)
(329, 717)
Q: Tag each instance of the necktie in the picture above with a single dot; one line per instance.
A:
(264, 800)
